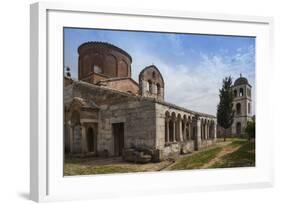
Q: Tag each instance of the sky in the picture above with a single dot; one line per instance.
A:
(192, 65)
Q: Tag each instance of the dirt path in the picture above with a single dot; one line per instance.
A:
(219, 144)
(225, 150)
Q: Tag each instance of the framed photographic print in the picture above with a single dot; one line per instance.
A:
(130, 102)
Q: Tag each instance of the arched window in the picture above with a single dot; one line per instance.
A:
(249, 108)
(235, 93)
(158, 89)
(96, 69)
(238, 108)
(150, 86)
(240, 92)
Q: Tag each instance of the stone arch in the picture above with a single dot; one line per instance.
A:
(173, 115)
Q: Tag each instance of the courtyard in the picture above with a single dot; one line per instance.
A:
(233, 152)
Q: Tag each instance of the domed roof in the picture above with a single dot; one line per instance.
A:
(241, 81)
(103, 44)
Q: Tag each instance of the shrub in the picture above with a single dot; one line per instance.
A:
(251, 129)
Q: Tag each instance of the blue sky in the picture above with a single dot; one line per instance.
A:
(192, 65)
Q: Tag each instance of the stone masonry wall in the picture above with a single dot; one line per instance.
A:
(138, 116)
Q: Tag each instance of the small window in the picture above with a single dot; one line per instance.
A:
(158, 89)
(249, 108)
(96, 69)
(240, 92)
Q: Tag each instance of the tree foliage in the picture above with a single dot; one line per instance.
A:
(251, 129)
(225, 112)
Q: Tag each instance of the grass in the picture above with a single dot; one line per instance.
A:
(76, 169)
(197, 160)
(243, 157)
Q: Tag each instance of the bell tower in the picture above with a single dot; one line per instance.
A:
(242, 104)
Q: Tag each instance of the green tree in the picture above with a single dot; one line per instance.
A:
(251, 129)
(225, 113)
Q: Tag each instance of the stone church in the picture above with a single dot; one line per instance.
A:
(107, 113)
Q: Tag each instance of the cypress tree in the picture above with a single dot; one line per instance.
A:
(225, 112)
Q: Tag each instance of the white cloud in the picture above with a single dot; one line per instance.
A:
(197, 87)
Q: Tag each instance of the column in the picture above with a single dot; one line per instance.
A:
(180, 130)
(206, 131)
(189, 130)
(202, 130)
(215, 130)
(84, 140)
(198, 134)
(174, 130)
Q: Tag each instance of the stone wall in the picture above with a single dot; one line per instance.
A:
(139, 124)
(123, 84)
(137, 114)
(144, 122)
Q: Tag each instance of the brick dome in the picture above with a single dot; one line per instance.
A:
(101, 60)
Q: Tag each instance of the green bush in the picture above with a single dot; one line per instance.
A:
(251, 129)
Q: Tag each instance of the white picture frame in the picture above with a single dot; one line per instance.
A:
(46, 177)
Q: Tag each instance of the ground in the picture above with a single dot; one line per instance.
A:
(231, 153)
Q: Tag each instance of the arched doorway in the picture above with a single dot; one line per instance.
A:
(91, 140)
(238, 128)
